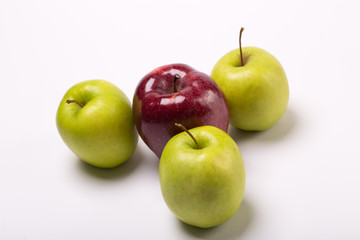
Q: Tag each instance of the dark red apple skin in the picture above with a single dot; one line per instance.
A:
(161, 100)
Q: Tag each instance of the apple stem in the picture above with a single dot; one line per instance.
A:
(187, 131)
(241, 55)
(176, 77)
(74, 101)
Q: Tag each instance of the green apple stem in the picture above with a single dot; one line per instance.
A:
(176, 77)
(187, 131)
(241, 55)
(74, 101)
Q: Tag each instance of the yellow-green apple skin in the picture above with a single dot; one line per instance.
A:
(202, 187)
(257, 93)
(102, 132)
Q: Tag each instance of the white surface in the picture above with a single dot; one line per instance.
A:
(302, 175)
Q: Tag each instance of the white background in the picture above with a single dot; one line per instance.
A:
(303, 174)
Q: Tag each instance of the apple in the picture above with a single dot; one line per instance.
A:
(176, 93)
(255, 86)
(95, 121)
(202, 180)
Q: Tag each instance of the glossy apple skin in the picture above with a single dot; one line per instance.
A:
(102, 132)
(202, 187)
(257, 93)
(193, 100)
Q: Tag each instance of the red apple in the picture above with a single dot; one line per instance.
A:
(176, 93)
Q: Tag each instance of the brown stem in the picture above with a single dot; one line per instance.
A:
(187, 131)
(74, 101)
(176, 77)
(241, 55)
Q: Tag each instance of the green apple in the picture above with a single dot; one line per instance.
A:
(255, 87)
(95, 121)
(202, 181)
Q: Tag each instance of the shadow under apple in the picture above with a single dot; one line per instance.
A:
(278, 131)
(231, 229)
(118, 172)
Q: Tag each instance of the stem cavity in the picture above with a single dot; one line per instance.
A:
(187, 131)
(241, 55)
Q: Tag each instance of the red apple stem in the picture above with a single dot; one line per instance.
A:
(187, 131)
(74, 101)
(241, 55)
(176, 77)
